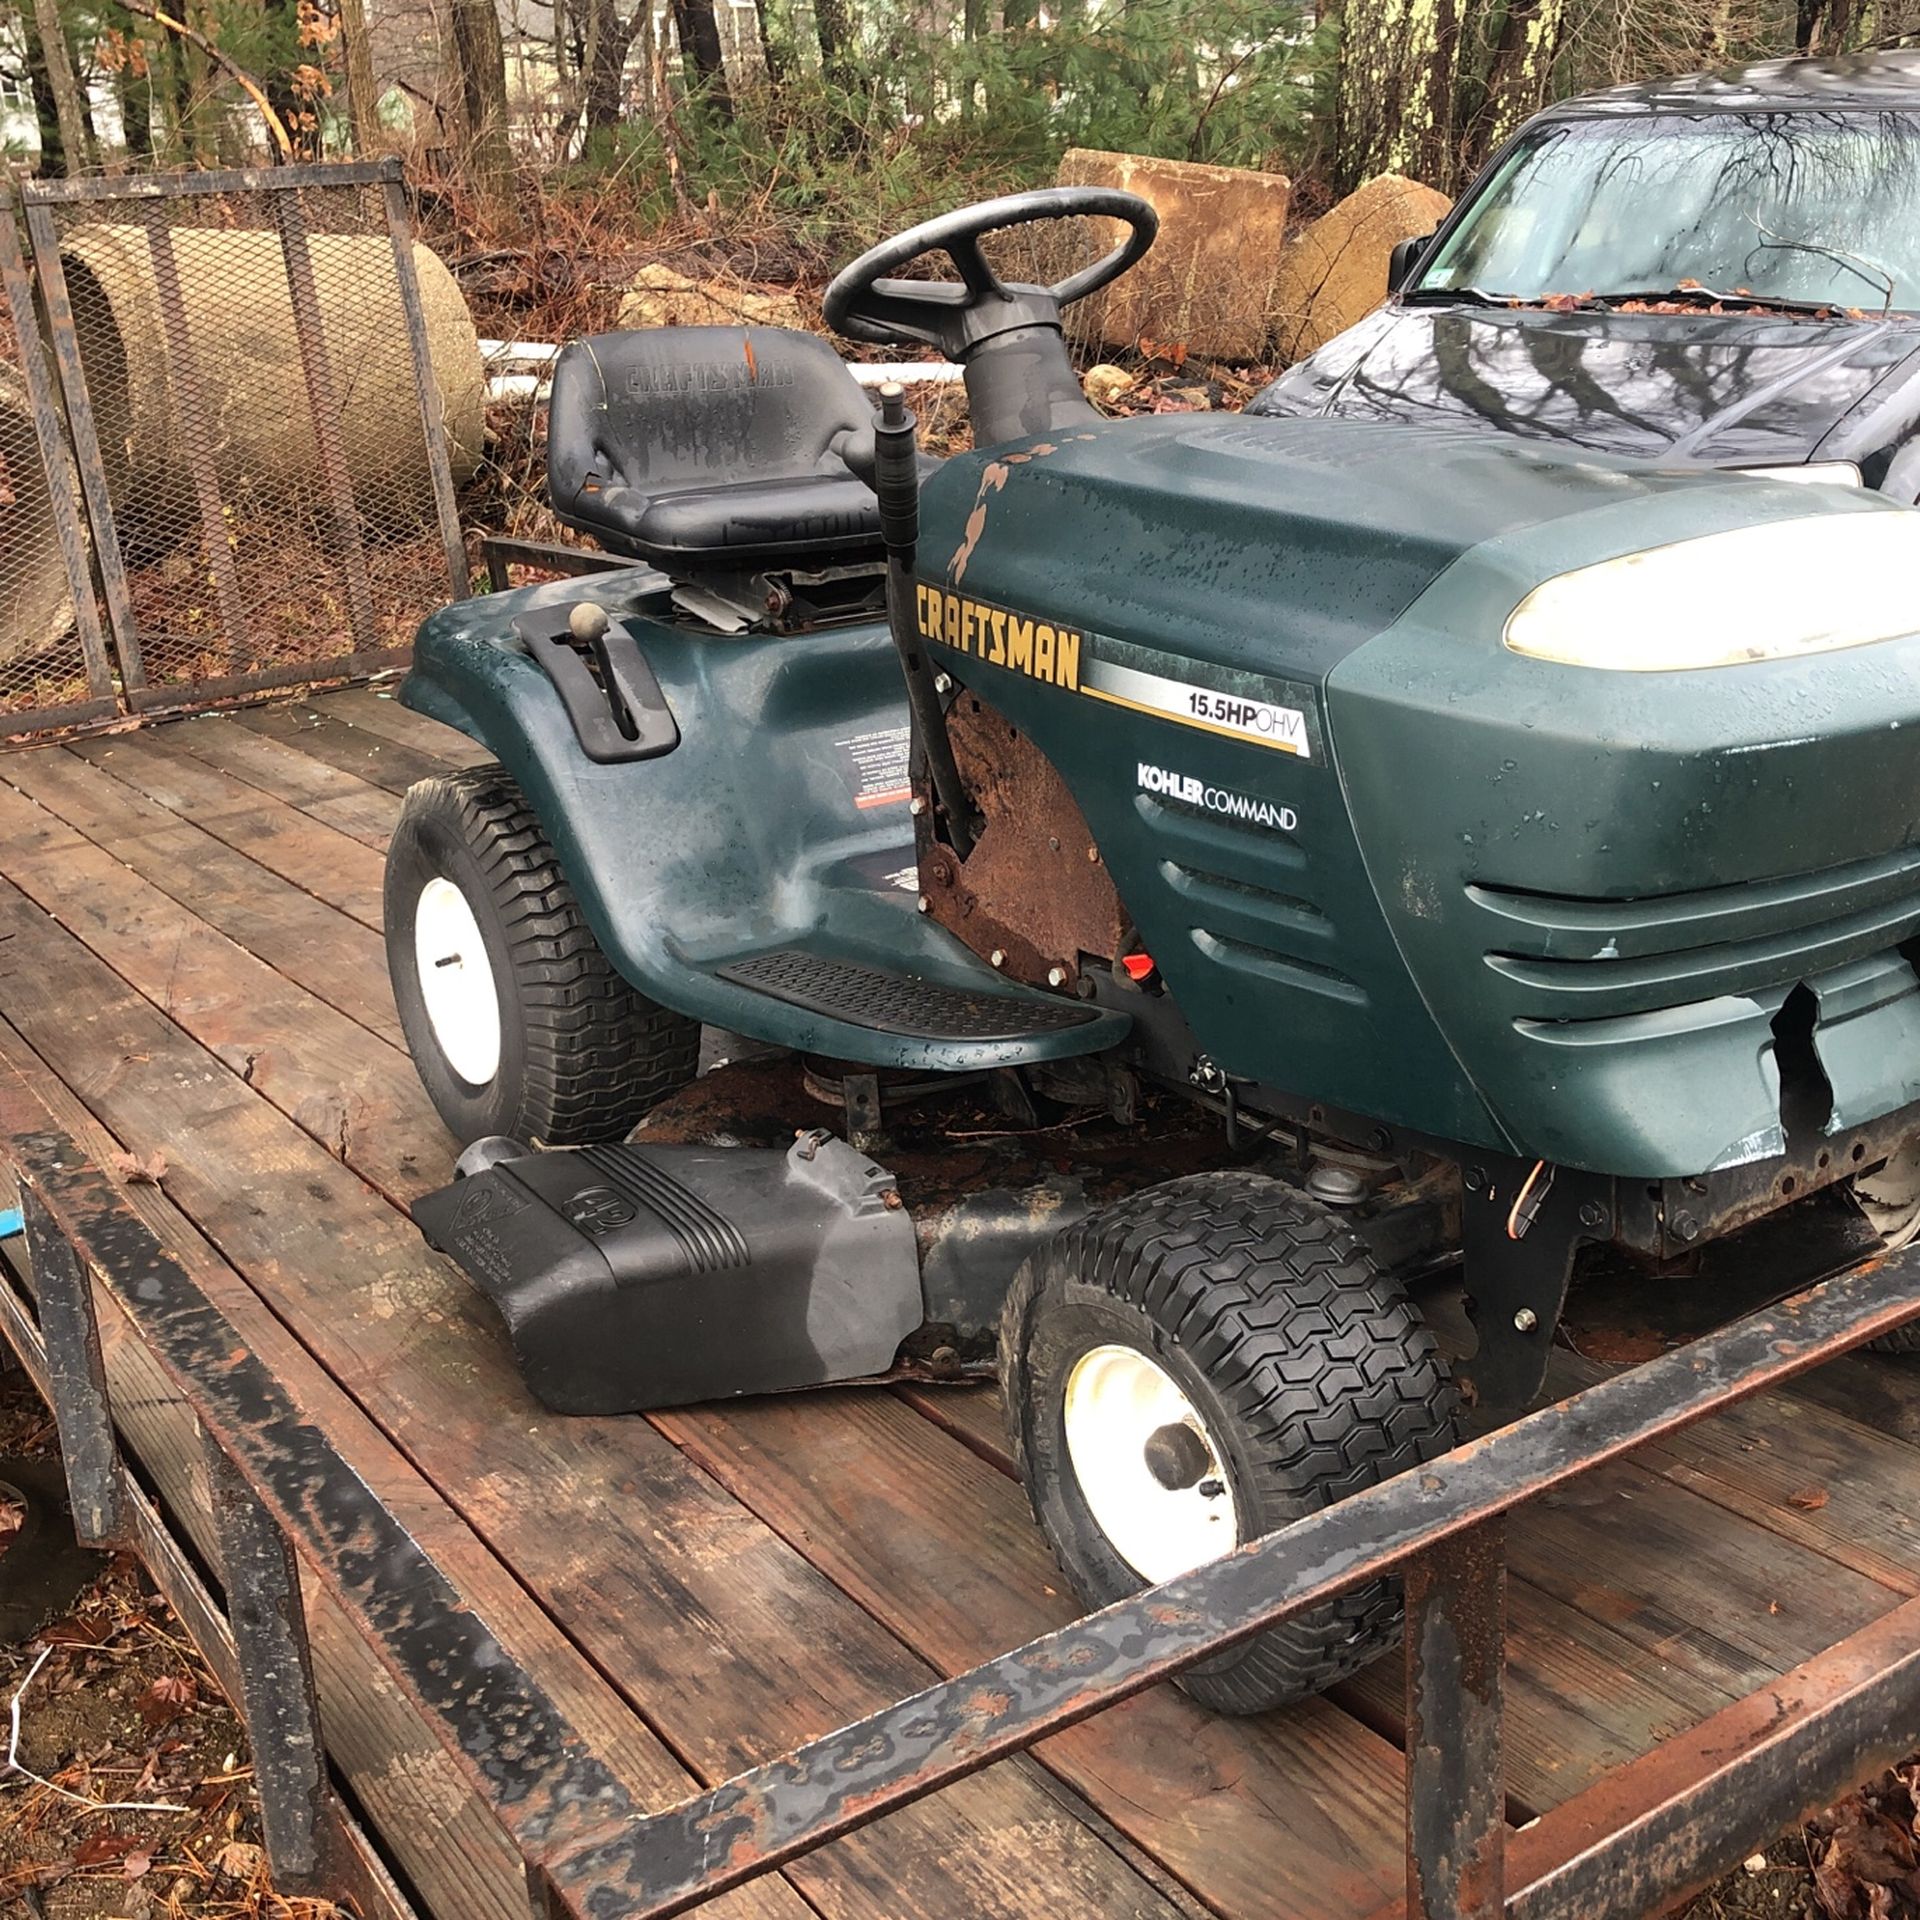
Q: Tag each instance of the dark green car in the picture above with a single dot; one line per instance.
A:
(1719, 270)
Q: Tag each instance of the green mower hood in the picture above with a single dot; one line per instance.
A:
(1558, 905)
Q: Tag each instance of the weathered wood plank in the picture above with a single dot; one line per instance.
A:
(1795, 1467)
(1877, 1389)
(1686, 1579)
(357, 807)
(333, 866)
(736, 1647)
(355, 1094)
(335, 958)
(373, 757)
(931, 1540)
(380, 711)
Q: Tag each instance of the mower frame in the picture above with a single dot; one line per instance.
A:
(1644, 1835)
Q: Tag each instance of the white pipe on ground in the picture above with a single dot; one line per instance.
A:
(520, 369)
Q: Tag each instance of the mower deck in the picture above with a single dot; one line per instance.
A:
(190, 966)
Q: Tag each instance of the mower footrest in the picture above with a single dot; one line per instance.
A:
(901, 1003)
(636, 1277)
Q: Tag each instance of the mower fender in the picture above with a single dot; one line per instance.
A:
(770, 849)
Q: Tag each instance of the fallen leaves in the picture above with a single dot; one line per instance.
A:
(240, 1860)
(170, 1695)
(1866, 1851)
(107, 1848)
(142, 1791)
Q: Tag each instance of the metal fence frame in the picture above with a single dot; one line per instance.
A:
(1645, 1834)
(50, 434)
(65, 419)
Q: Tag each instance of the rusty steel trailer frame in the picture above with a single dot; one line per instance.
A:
(1651, 1831)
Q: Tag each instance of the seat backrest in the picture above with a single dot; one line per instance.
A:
(673, 408)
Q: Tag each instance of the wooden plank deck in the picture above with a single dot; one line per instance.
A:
(190, 965)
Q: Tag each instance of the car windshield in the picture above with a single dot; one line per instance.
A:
(1801, 208)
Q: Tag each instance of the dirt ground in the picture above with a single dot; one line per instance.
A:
(122, 1710)
(143, 1808)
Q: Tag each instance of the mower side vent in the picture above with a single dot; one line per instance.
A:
(1576, 959)
(710, 1241)
(899, 1002)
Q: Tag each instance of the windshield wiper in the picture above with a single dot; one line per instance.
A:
(1696, 295)
(1452, 296)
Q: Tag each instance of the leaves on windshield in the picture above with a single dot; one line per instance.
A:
(1689, 296)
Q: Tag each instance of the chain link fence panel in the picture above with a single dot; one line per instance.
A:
(273, 393)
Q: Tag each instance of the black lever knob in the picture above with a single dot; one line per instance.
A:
(896, 470)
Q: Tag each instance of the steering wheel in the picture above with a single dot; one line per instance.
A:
(865, 301)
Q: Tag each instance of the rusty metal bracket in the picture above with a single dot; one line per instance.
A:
(1456, 1674)
(77, 1376)
(277, 1700)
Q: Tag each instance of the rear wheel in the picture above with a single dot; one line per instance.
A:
(517, 1022)
(1197, 1365)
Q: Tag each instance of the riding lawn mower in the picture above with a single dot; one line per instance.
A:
(1324, 862)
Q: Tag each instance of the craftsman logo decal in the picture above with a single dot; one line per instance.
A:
(1228, 701)
(1189, 792)
(1015, 641)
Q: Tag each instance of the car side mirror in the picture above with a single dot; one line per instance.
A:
(1403, 259)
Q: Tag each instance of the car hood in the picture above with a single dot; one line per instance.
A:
(1718, 389)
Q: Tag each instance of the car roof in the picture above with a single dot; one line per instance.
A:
(1881, 79)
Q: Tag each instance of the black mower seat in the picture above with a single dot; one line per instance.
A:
(697, 447)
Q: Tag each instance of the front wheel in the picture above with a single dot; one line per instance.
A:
(1201, 1363)
(1890, 1198)
(517, 1022)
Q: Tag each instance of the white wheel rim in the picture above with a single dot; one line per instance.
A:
(1148, 1469)
(1890, 1198)
(456, 982)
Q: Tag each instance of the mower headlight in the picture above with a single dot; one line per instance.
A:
(1767, 592)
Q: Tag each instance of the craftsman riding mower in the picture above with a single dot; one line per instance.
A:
(1458, 864)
